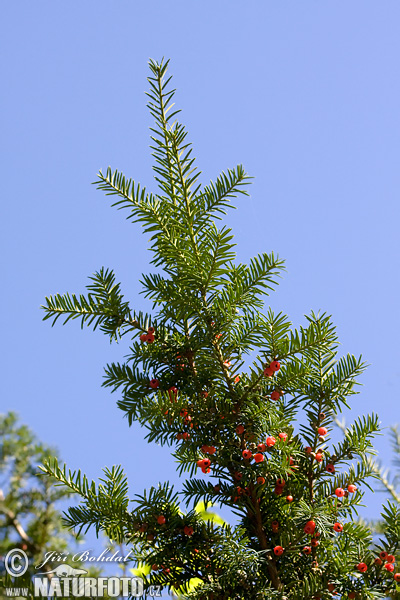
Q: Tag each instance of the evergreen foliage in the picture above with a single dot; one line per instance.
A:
(29, 518)
(30, 510)
(186, 382)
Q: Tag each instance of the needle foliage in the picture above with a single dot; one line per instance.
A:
(219, 379)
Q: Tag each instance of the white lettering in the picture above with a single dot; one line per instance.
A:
(82, 556)
(41, 587)
(55, 587)
(113, 587)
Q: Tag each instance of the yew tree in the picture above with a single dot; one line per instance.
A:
(246, 402)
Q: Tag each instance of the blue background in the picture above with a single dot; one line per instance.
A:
(304, 94)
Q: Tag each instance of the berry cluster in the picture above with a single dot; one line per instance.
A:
(204, 464)
(272, 368)
(387, 561)
(149, 336)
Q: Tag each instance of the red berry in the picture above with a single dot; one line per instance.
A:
(278, 490)
(307, 550)
(238, 476)
(319, 457)
(149, 338)
(322, 431)
(352, 488)
(314, 543)
(258, 457)
(330, 468)
(260, 480)
(351, 595)
(206, 462)
(185, 436)
(154, 383)
(338, 527)
(261, 447)
(187, 530)
(199, 463)
(143, 337)
(283, 436)
(378, 561)
(150, 330)
(278, 550)
(268, 372)
(389, 567)
(362, 567)
(154, 567)
(383, 555)
(239, 429)
(391, 558)
(275, 366)
(204, 394)
(247, 454)
(237, 379)
(161, 520)
(396, 577)
(270, 441)
(309, 527)
(280, 482)
(339, 492)
(275, 523)
(289, 499)
(308, 449)
(205, 469)
(275, 395)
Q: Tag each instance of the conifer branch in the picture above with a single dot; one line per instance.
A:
(185, 380)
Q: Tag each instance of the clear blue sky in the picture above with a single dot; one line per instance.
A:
(305, 94)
